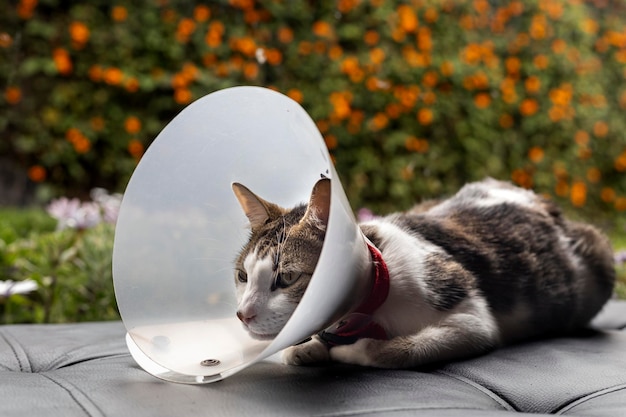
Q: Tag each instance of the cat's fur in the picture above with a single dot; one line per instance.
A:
(492, 265)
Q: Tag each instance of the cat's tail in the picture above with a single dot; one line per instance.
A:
(594, 251)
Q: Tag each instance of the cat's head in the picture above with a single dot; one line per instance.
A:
(275, 266)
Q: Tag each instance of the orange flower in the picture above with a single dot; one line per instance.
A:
(620, 162)
(522, 178)
(132, 85)
(594, 175)
(132, 125)
(424, 39)
(559, 46)
(377, 56)
(81, 144)
(79, 32)
(113, 76)
(335, 52)
(620, 204)
(95, 73)
(273, 56)
(416, 145)
(345, 6)
(431, 15)
(535, 154)
(481, 6)
(62, 61)
(295, 95)
(538, 27)
(135, 148)
(425, 116)
(371, 37)
(578, 193)
(322, 29)
(447, 68)
(250, 70)
(529, 107)
(429, 98)
(13, 95)
(430, 79)
(561, 188)
(119, 13)
(322, 125)
(532, 84)
(285, 35)
(393, 110)
(201, 13)
(182, 96)
(516, 7)
(541, 62)
(37, 173)
(407, 18)
(607, 194)
(554, 9)
(379, 121)
(331, 141)
(477, 81)
(245, 45)
(482, 100)
(513, 65)
(185, 28)
(600, 128)
(581, 138)
(341, 104)
(561, 96)
(590, 26)
(25, 8)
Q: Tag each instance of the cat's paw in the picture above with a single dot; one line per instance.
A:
(309, 352)
(358, 353)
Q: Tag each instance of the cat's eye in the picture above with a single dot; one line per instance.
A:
(285, 279)
(242, 276)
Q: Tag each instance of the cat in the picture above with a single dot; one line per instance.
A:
(492, 265)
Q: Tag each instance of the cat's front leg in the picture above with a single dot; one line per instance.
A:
(458, 337)
(312, 351)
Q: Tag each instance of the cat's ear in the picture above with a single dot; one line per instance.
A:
(318, 209)
(257, 210)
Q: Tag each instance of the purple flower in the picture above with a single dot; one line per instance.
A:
(620, 257)
(73, 214)
(110, 204)
(365, 214)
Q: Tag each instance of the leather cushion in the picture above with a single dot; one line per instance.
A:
(85, 370)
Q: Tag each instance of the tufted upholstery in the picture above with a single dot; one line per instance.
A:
(85, 370)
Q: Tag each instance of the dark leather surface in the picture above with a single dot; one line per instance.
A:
(85, 370)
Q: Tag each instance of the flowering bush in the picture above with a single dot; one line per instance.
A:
(413, 98)
(59, 273)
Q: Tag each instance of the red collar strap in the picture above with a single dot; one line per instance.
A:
(358, 324)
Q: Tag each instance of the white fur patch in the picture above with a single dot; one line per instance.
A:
(270, 309)
(405, 311)
(487, 193)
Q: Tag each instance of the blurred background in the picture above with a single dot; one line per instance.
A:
(413, 98)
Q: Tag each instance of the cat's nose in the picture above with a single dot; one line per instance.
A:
(245, 318)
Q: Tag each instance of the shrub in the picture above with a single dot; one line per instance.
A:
(413, 98)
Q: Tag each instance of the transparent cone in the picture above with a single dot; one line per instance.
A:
(180, 228)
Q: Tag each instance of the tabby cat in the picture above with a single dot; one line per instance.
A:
(492, 265)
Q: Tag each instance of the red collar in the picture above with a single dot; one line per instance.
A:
(359, 324)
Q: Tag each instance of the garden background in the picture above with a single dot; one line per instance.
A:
(413, 99)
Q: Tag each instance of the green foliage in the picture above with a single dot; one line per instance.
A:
(414, 98)
(72, 270)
